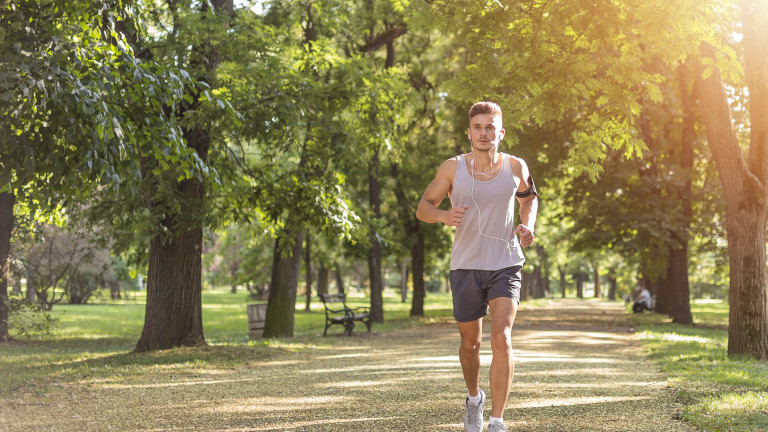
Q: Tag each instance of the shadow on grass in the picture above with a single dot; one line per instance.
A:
(36, 361)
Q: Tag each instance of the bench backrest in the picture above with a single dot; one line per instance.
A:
(333, 298)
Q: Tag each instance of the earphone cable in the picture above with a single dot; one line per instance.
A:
(479, 213)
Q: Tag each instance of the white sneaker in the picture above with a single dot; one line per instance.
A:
(497, 427)
(473, 418)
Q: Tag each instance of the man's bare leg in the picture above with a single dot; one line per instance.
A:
(503, 312)
(469, 353)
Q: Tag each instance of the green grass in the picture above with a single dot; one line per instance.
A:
(721, 393)
(96, 340)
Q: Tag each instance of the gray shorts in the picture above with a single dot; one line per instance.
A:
(472, 289)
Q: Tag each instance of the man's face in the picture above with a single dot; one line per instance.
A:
(485, 131)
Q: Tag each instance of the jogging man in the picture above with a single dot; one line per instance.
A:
(486, 259)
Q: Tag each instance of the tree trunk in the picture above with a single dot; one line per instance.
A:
(744, 188)
(678, 288)
(580, 276)
(174, 280)
(748, 327)
(374, 253)
(678, 305)
(77, 292)
(308, 271)
(31, 291)
(525, 289)
(114, 290)
(612, 288)
(359, 276)
(649, 170)
(417, 269)
(545, 269)
(561, 270)
(174, 313)
(412, 227)
(596, 276)
(661, 290)
(7, 201)
(16, 285)
(323, 279)
(537, 285)
(286, 267)
(403, 280)
(339, 281)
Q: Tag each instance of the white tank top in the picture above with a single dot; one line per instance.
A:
(496, 199)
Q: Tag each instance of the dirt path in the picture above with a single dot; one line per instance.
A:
(578, 368)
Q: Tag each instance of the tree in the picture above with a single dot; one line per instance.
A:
(423, 144)
(172, 192)
(68, 74)
(62, 264)
(304, 103)
(744, 180)
(383, 23)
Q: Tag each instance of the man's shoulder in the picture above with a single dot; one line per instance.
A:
(519, 167)
(448, 168)
(515, 160)
(452, 162)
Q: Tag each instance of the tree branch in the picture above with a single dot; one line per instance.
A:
(716, 115)
(388, 36)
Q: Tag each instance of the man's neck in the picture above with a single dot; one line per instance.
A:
(483, 159)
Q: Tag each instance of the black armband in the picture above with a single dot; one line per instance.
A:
(531, 190)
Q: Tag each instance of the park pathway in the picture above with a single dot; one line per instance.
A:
(578, 368)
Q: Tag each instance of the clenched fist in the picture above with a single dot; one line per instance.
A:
(454, 215)
(526, 235)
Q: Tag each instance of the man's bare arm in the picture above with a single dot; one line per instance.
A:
(529, 206)
(427, 210)
(528, 209)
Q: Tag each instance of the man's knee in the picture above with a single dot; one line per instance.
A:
(501, 341)
(470, 345)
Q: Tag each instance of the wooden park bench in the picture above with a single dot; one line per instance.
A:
(344, 316)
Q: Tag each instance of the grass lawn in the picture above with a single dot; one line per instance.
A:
(721, 393)
(95, 340)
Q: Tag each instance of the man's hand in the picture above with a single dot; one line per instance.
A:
(525, 234)
(454, 215)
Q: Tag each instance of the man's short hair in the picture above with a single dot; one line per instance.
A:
(491, 108)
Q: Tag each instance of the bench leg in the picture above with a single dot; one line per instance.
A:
(328, 325)
(348, 326)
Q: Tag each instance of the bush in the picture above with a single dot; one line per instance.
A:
(29, 318)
